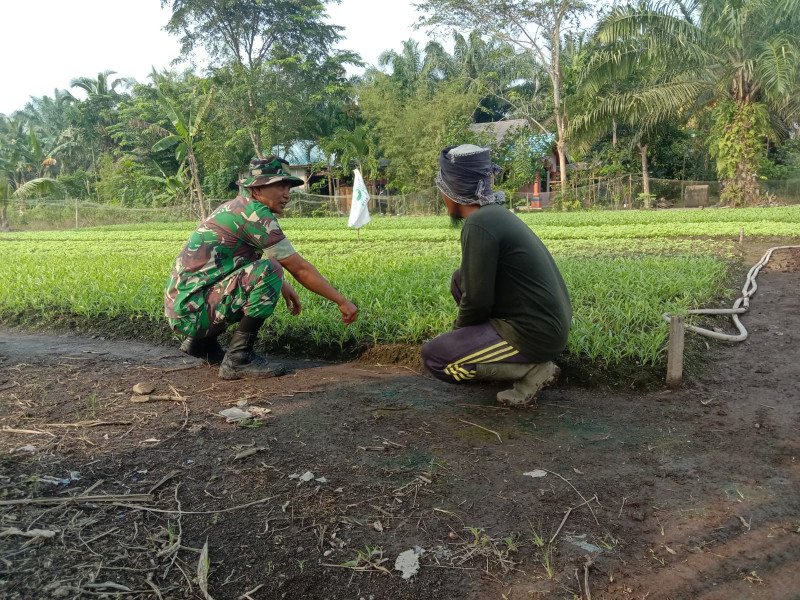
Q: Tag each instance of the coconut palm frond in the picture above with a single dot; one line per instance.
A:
(654, 24)
(776, 66)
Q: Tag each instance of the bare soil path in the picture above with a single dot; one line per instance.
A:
(693, 494)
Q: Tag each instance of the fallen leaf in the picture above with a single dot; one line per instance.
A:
(670, 550)
(202, 571)
(234, 415)
(536, 473)
(249, 452)
(408, 562)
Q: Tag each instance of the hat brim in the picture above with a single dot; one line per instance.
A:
(261, 180)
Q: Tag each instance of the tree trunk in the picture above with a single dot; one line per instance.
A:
(4, 218)
(614, 133)
(196, 180)
(253, 134)
(562, 165)
(645, 174)
(254, 139)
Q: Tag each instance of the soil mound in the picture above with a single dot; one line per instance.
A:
(406, 355)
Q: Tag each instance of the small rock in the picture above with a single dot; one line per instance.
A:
(327, 553)
(144, 388)
(757, 425)
(378, 526)
(637, 515)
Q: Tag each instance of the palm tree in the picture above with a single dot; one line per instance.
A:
(737, 57)
(25, 162)
(408, 67)
(102, 86)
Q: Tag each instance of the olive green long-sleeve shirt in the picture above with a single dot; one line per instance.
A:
(510, 279)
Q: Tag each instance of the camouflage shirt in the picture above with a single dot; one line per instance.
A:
(238, 233)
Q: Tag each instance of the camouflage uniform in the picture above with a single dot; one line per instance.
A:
(228, 268)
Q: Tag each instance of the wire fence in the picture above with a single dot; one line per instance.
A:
(624, 192)
(627, 192)
(425, 202)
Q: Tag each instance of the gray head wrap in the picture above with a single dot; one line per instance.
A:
(465, 175)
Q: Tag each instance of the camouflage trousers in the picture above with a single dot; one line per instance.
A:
(253, 290)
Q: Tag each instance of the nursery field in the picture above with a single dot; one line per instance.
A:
(623, 270)
(368, 479)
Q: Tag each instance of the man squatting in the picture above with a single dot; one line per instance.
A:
(514, 311)
(231, 270)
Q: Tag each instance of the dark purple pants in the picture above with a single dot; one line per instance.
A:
(453, 356)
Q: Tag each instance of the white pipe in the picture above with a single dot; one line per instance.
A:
(748, 290)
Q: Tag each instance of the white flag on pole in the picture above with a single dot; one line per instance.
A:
(359, 213)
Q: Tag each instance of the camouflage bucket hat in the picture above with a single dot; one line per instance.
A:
(265, 171)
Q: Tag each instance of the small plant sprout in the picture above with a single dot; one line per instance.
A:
(369, 559)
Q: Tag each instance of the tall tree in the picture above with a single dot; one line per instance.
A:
(253, 41)
(536, 26)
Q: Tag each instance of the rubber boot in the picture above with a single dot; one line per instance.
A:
(207, 349)
(240, 361)
(529, 380)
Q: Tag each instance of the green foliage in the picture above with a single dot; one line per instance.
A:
(660, 61)
(413, 129)
(737, 143)
(783, 162)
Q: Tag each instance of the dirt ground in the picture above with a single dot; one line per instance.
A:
(685, 495)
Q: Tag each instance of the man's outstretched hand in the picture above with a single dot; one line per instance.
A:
(292, 299)
(349, 311)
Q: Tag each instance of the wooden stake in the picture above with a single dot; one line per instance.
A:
(675, 352)
(741, 236)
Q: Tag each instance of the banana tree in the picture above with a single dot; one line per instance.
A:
(182, 139)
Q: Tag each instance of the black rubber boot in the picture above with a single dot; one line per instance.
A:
(207, 349)
(240, 361)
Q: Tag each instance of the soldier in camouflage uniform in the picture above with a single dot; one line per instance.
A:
(231, 270)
